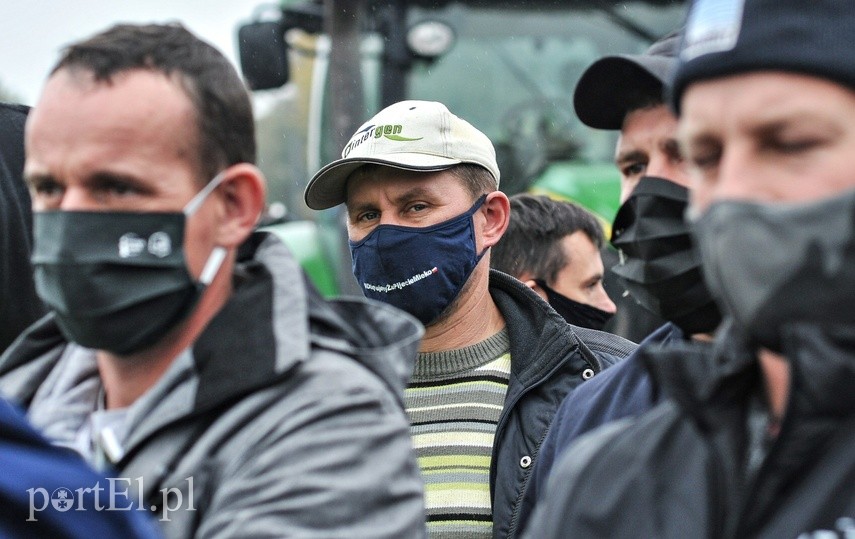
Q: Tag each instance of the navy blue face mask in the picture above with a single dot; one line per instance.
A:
(420, 270)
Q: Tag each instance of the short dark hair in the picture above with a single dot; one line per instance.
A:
(477, 179)
(226, 129)
(531, 244)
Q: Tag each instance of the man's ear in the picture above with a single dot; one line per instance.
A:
(497, 212)
(243, 193)
(536, 287)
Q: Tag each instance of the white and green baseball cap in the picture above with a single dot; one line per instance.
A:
(410, 135)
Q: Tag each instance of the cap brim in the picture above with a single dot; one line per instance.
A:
(613, 85)
(328, 187)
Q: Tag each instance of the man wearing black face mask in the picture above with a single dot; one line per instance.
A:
(186, 354)
(659, 266)
(553, 246)
(421, 190)
(757, 438)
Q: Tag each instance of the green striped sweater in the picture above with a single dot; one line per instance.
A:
(454, 401)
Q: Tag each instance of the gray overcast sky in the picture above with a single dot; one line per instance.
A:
(32, 32)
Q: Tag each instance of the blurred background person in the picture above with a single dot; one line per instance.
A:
(553, 246)
(757, 436)
(659, 263)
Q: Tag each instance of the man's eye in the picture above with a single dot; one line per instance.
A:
(793, 146)
(672, 150)
(117, 188)
(417, 207)
(705, 160)
(367, 216)
(47, 188)
(634, 169)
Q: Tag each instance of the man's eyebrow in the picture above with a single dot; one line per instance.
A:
(630, 155)
(398, 199)
(105, 178)
(409, 194)
(360, 207)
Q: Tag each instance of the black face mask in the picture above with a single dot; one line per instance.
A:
(578, 314)
(774, 266)
(118, 281)
(659, 265)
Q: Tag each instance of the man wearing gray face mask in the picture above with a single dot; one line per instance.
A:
(186, 353)
(758, 439)
(658, 265)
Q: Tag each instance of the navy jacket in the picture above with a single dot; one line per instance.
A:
(623, 391)
(687, 468)
(42, 490)
(549, 359)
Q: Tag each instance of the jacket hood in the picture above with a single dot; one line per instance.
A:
(279, 315)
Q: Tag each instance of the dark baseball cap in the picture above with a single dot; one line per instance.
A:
(614, 85)
(730, 37)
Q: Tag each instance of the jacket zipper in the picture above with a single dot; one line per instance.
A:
(503, 423)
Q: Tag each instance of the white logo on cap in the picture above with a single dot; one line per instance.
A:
(712, 26)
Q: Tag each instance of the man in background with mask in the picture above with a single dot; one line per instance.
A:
(758, 436)
(658, 264)
(187, 355)
(553, 246)
(423, 210)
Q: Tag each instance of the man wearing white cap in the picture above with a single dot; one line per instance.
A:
(423, 205)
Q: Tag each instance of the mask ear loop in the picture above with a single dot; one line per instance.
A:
(212, 265)
(200, 197)
(218, 254)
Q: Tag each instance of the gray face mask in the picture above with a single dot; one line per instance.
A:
(773, 266)
(118, 281)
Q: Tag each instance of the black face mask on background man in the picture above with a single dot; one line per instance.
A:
(574, 312)
(659, 265)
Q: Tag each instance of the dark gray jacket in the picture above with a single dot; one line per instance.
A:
(690, 467)
(549, 359)
(287, 412)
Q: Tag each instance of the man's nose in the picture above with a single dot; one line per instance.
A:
(737, 176)
(76, 199)
(603, 302)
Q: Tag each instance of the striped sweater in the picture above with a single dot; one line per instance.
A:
(454, 401)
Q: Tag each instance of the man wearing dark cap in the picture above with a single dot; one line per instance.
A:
(659, 266)
(758, 437)
(423, 210)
